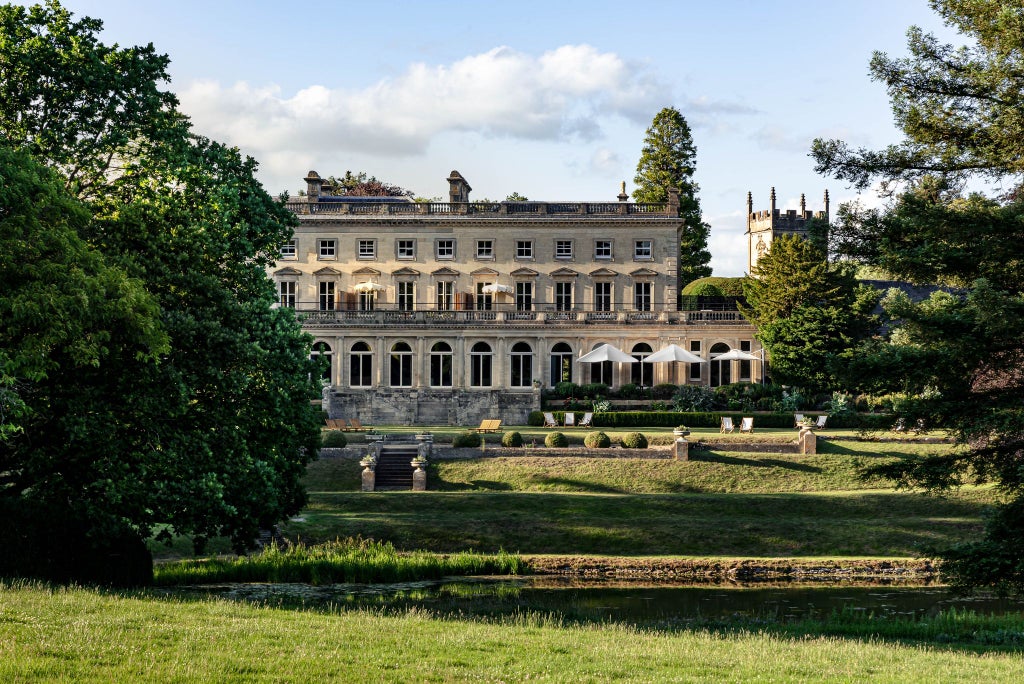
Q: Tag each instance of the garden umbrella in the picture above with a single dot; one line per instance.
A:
(736, 355)
(606, 352)
(368, 287)
(673, 352)
(495, 288)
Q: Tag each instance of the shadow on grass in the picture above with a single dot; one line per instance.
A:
(718, 457)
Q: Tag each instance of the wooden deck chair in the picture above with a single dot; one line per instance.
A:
(355, 426)
(821, 422)
(483, 425)
(337, 424)
(549, 420)
(747, 424)
(570, 419)
(798, 418)
(586, 420)
(727, 425)
(495, 425)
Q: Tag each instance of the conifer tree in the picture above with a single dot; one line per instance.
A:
(668, 160)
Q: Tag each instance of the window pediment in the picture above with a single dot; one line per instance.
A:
(524, 273)
(564, 273)
(643, 273)
(366, 271)
(603, 273)
(288, 271)
(484, 273)
(406, 271)
(327, 271)
(445, 272)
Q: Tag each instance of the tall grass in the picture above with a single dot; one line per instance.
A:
(349, 560)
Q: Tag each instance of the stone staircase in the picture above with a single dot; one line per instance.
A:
(393, 469)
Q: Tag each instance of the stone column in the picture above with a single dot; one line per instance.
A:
(808, 441)
(419, 479)
(681, 452)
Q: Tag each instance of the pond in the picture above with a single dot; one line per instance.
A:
(632, 602)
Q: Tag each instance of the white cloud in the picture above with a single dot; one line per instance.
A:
(564, 94)
(728, 244)
(606, 162)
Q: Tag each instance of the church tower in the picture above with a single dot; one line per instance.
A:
(765, 226)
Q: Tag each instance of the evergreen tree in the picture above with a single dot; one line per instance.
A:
(959, 356)
(668, 160)
(807, 311)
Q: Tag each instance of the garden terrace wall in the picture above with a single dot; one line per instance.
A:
(443, 453)
(668, 419)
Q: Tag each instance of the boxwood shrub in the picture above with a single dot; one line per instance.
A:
(334, 439)
(556, 440)
(634, 440)
(466, 439)
(597, 440)
(512, 439)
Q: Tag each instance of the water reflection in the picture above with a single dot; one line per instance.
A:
(630, 602)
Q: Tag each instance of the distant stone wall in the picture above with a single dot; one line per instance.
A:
(422, 406)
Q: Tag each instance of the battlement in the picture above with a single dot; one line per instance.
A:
(789, 220)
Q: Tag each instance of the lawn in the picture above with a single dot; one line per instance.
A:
(84, 635)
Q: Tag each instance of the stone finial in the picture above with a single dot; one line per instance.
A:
(750, 203)
(622, 192)
(803, 204)
(826, 205)
(773, 201)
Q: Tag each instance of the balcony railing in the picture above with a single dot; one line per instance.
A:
(383, 317)
(517, 209)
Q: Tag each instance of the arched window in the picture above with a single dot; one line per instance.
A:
(480, 358)
(361, 365)
(441, 365)
(321, 353)
(601, 372)
(401, 365)
(561, 363)
(721, 371)
(641, 373)
(522, 365)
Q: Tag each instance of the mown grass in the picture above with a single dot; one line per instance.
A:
(84, 635)
(869, 523)
(349, 560)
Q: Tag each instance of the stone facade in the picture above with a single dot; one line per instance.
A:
(765, 226)
(451, 312)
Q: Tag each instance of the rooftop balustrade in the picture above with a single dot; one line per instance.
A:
(483, 209)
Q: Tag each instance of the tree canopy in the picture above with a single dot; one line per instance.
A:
(203, 426)
(807, 311)
(668, 160)
(959, 356)
(361, 185)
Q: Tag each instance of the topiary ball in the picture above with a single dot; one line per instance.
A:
(597, 440)
(466, 439)
(634, 440)
(512, 439)
(556, 440)
(333, 439)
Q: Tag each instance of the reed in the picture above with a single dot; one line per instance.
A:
(339, 561)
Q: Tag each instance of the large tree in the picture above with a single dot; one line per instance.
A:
(959, 356)
(212, 439)
(807, 311)
(668, 160)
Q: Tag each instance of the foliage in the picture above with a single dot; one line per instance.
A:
(516, 197)
(841, 404)
(466, 439)
(714, 286)
(602, 405)
(341, 561)
(597, 440)
(361, 185)
(556, 440)
(634, 440)
(664, 391)
(668, 160)
(630, 391)
(213, 439)
(512, 439)
(693, 398)
(333, 439)
(567, 389)
(807, 311)
(958, 357)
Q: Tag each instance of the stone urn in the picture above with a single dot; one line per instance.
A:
(680, 431)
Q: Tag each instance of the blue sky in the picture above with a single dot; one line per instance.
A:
(548, 99)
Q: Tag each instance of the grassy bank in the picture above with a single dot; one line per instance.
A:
(351, 560)
(83, 635)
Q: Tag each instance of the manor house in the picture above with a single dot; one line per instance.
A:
(450, 312)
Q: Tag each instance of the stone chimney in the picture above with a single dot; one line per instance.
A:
(458, 188)
(673, 201)
(313, 183)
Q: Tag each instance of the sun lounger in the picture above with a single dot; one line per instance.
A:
(488, 425)
(727, 425)
(747, 424)
(586, 420)
(821, 421)
(570, 419)
(549, 420)
(355, 425)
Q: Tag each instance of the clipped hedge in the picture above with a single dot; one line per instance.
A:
(556, 440)
(597, 440)
(670, 419)
(466, 439)
(334, 439)
(634, 440)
